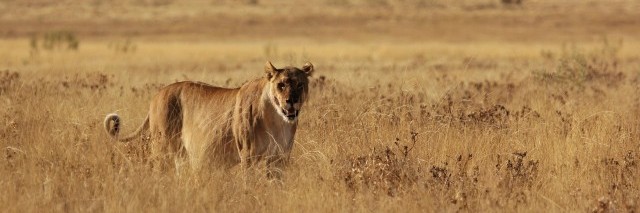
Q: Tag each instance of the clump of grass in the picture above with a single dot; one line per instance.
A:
(55, 40)
(577, 68)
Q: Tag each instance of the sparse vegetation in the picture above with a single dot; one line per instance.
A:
(405, 115)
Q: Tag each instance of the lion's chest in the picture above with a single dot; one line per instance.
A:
(274, 138)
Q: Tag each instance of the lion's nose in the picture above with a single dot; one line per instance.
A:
(290, 101)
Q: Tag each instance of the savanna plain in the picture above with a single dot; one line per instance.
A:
(415, 105)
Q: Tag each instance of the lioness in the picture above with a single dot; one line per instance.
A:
(256, 122)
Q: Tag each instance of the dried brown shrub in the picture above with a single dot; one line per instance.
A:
(8, 80)
(390, 170)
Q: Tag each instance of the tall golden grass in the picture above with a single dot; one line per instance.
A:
(414, 124)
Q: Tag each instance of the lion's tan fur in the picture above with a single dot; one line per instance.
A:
(212, 124)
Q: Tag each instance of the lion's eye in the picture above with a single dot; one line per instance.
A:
(281, 86)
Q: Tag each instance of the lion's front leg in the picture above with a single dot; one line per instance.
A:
(245, 155)
(243, 133)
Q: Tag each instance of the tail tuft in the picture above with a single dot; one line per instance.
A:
(112, 130)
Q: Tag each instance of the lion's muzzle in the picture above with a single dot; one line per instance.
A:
(291, 113)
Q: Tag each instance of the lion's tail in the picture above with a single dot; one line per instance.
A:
(114, 130)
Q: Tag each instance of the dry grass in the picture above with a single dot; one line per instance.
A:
(410, 124)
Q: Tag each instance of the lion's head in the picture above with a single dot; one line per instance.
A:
(288, 88)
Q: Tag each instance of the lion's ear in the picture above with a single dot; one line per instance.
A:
(270, 70)
(308, 68)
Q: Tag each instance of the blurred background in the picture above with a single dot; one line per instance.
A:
(325, 20)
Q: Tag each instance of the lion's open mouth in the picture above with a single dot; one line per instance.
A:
(290, 114)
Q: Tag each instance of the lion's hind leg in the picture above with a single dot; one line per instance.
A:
(166, 143)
